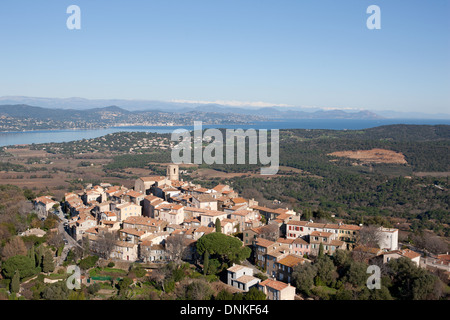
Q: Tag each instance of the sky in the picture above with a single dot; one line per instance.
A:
(283, 52)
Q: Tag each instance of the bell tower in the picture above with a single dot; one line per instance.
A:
(173, 172)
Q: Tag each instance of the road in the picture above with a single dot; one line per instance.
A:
(69, 242)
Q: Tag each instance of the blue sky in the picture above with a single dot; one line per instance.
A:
(293, 52)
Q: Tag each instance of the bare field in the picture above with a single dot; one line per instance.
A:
(372, 156)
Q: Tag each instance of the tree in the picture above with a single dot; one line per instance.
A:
(303, 275)
(410, 282)
(56, 291)
(356, 274)
(326, 271)
(370, 236)
(47, 262)
(14, 247)
(104, 244)
(205, 262)
(255, 294)
(218, 225)
(198, 289)
(124, 285)
(15, 283)
(226, 247)
(320, 254)
(24, 265)
(176, 247)
(224, 295)
(88, 262)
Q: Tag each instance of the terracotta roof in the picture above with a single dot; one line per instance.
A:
(321, 234)
(132, 231)
(264, 242)
(297, 223)
(291, 260)
(152, 178)
(349, 227)
(246, 278)
(242, 212)
(134, 194)
(274, 284)
(236, 268)
(238, 200)
(300, 241)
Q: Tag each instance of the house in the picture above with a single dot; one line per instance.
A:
(365, 253)
(149, 204)
(144, 184)
(135, 197)
(208, 217)
(296, 229)
(270, 231)
(149, 252)
(108, 216)
(273, 255)
(171, 213)
(111, 226)
(261, 248)
(241, 277)
(132, 235)
(127, 209)
(146, 224)
(204, 201)
(388, 238)
(44, 203)
(301, 246)
(395, 254)
(349, 234)
(277, 290)
(125, 251)
(327, 239)
(285, 266)
(228, 226)
(246, 218)
(79, 226)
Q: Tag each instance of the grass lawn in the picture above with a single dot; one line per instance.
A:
(106, 272)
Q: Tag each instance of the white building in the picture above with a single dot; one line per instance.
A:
(388, 238)
(241, 277)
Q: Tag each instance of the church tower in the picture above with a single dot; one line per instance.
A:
(172, 172)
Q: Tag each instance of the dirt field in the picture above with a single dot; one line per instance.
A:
(373, 156)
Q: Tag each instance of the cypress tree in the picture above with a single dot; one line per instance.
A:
(47, 262)
(218, 225)
(15, 283)
(320, 255)
(205, 262)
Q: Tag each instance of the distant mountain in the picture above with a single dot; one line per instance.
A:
(142, 106)
(412, 115)
(26, 111)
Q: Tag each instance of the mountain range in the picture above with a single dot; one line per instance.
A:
(271, 112)
(60, 107)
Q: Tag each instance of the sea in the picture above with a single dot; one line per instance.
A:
(48, 136)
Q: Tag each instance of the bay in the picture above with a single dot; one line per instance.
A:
(47, 136)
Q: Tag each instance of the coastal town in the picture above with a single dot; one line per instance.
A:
(162, 218)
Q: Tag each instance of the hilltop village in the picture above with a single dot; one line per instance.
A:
(163, 217)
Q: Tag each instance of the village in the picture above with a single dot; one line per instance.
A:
(144, 225)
